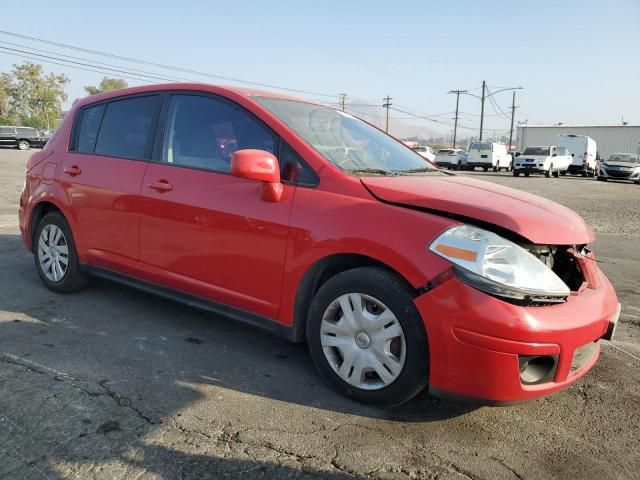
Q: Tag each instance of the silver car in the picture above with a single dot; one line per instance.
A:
(620, 166)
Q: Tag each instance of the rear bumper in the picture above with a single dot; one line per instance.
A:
(578, 168)
(477, 341)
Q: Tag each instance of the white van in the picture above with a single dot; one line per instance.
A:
(583, 149)
(489, 155)
(551, 160)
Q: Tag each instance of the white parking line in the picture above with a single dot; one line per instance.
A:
(607, 342)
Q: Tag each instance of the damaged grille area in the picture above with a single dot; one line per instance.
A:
(562, 261)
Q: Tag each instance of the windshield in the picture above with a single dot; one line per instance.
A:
(624, 157)
(480, 146)
(536, 151)
(419, 149)
(347, 142)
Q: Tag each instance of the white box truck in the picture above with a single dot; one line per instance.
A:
(583, 150)
(489, 155)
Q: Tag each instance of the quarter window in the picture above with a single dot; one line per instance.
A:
(294, 170)
(203, 132)
(126, 128)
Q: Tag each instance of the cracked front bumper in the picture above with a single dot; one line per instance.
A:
(476, 341)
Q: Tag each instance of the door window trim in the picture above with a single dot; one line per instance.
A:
(158, 144)
(153, 127)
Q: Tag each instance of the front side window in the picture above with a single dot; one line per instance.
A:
(31, 132)
(345, 141)
(88, 131)
(127, 126)
(203, 132)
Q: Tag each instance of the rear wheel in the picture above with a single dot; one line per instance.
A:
(24, 145)
(496, 168)
(486, 169)
(458, 166)
(516, 173)
(55, 255)
(366, 337)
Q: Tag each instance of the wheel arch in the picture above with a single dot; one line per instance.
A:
(41, 209)
(323, 270)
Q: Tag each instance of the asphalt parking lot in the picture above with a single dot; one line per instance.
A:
(114, 383)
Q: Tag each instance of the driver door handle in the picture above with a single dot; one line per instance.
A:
(161, 186)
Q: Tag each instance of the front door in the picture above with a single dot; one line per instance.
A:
(202, 230)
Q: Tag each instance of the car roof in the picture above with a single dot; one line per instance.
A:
(225, 90)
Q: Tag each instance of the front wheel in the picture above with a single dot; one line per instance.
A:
(516, 173)
(548, 172)
(24, 145)
(366, 337)
(56, 256)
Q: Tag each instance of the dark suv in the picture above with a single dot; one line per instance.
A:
(22, 138)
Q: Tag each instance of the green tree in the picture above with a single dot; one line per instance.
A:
(106, 85)
(34, 99)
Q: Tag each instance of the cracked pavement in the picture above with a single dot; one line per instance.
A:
(114, 383)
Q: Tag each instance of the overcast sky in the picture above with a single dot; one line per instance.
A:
(578, 61)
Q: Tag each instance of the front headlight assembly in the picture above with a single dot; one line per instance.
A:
(498, 267)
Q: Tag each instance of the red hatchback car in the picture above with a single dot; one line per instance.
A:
(306, 221)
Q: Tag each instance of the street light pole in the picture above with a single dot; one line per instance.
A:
(513, 114)
(484, 86)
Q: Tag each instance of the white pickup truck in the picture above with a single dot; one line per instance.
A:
(550, 160)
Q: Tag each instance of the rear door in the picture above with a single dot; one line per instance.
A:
(202, 230)
(102, 174)
(7, 136)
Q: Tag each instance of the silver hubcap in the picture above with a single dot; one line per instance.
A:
(53, 253)
(23, 145)
(363, 341)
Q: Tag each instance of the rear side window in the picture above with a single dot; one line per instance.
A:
(88, 132)
(7, 130)
(126, 128)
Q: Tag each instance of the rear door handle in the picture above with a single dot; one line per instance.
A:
(161, 186)
(73, 170)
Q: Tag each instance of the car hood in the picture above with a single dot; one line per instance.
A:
(539, 220)
(535, 157)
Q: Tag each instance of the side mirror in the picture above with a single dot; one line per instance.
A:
(573, 154)
(260, 166)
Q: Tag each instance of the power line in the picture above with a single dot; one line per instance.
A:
(163, 66)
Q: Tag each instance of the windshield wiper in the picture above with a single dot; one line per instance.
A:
(374, 171)
(419, 170)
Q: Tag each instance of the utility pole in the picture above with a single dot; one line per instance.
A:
(513, 114)
(484, 86)
(455, 125)
(343, 97)
(387, 104)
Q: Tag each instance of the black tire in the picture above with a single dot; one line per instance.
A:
(602, 179)
(486, 169)
(516, 173)
(556, 173)
(526, 174)
(563, 173)
(23, 145)
(458, 165)
(73, 279)
(398, 297)
(548, 172)
(496, 169)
